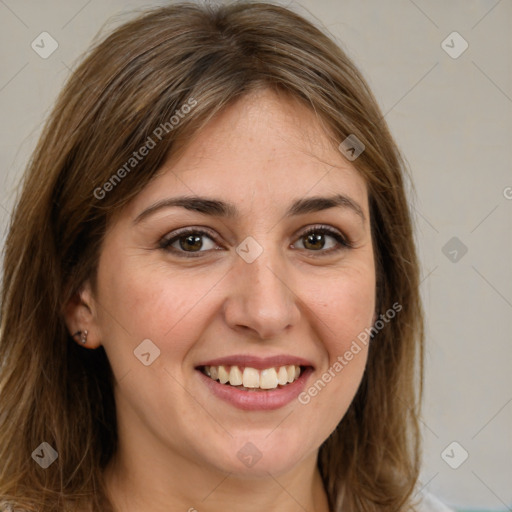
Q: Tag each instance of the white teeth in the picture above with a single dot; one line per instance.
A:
(251, 378)
(268, 379)
(282, 376)
(223, 375)
(235, 376)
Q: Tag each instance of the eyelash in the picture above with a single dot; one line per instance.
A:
(165, 243)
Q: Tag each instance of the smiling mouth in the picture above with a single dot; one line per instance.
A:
(251, 379)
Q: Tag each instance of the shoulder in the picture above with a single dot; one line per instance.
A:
(429, 503)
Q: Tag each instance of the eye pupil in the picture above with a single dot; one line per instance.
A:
(192, 242)
(314, 242)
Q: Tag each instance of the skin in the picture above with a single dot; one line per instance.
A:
(179, 443)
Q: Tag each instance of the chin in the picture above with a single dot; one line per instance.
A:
(256, 455)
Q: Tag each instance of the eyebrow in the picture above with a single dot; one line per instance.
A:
(219, 208)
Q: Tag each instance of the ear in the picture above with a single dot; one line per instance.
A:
(80, 315)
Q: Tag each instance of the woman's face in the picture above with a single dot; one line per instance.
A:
(247, 285)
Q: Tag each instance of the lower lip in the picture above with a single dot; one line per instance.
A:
(258, 400)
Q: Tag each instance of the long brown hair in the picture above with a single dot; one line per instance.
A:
(129, 84)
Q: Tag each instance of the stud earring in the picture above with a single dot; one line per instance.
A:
(83, 336)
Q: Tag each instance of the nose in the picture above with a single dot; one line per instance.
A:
(261, 298)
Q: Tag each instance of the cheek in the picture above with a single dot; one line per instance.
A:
(345, 305)
(148, 301)
(345, 308)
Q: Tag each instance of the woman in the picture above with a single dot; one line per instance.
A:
(210, 296)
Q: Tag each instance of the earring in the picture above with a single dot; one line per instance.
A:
(83, 336)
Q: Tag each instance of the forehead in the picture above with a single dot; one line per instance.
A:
(262, 151)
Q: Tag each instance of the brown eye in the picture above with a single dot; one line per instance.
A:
(314, 241)
(324, 240)
(188, 242)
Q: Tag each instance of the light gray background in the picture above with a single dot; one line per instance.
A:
(452, 119)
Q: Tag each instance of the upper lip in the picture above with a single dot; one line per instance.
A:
(259, 363)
